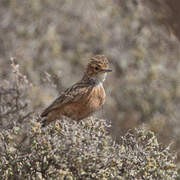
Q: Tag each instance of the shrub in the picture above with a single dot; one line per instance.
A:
(84, 150)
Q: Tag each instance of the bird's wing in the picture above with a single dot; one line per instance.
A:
(71, 94)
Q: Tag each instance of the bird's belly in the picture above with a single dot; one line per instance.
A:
(86, 105)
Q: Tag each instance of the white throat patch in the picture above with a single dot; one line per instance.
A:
(99, 78)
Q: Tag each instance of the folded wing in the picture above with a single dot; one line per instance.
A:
(71, 94)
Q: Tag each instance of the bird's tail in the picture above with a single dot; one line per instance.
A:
(48, 118)
(42, 120)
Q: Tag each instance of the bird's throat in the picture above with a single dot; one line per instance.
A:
(96, 80)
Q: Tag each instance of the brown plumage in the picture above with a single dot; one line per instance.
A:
(84, 97)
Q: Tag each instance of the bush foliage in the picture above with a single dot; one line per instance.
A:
(85, 151)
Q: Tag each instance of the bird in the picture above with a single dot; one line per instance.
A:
(82, 98)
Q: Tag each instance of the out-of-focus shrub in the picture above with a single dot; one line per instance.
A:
(15, 107)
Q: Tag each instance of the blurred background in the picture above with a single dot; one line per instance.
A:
(52, 40)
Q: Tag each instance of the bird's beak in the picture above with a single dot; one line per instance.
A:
(107, 70)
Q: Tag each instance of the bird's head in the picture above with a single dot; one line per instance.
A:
(98, 68)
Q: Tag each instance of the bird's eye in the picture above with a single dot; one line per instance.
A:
(96, 68)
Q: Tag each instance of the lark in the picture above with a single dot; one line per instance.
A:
(84, 97)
